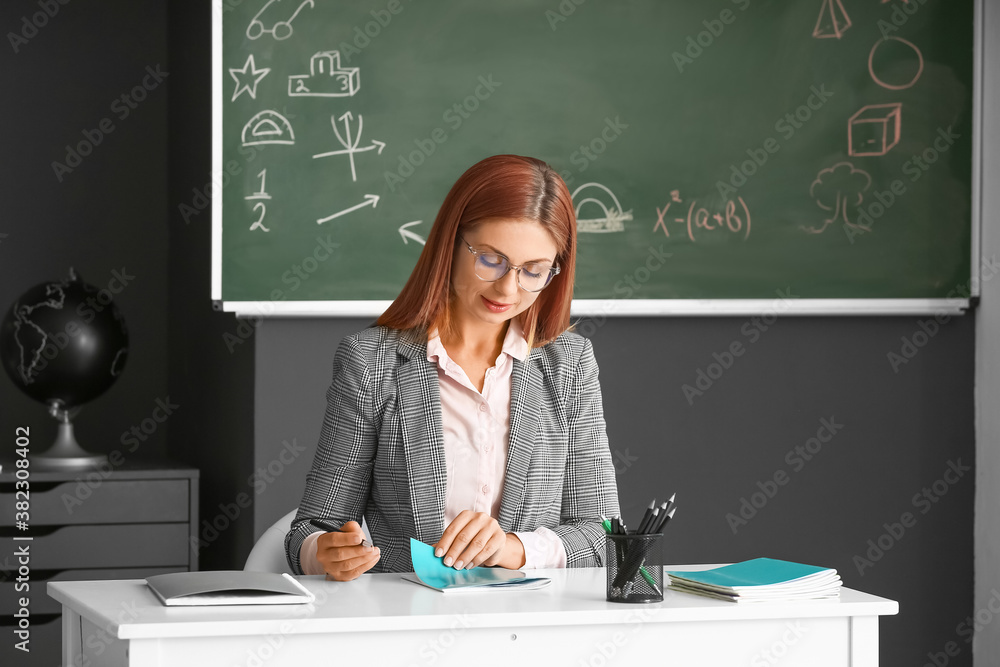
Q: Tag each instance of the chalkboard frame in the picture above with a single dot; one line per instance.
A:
(601, 308)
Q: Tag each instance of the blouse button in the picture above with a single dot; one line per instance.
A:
(482, 407)
(486, 489)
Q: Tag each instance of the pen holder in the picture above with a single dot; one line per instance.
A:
(634, 567)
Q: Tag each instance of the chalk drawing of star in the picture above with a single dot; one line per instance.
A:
(247, 78)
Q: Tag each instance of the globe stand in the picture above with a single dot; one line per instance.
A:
(66, 452)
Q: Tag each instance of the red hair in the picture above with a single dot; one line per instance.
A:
(502, 186)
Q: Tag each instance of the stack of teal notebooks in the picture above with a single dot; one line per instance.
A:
(760, 580)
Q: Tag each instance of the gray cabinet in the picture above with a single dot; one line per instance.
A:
(126, 522)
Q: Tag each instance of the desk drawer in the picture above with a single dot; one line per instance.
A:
(127, 501)
(110, 546)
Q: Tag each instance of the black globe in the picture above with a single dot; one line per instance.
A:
(63, 342)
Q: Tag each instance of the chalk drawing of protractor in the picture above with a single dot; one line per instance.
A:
(268, 127)
(281, 29)
(326, 78)
(612, 218)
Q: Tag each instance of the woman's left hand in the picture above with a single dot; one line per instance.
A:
(475, 538)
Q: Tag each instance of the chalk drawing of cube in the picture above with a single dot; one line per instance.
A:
(874, 129)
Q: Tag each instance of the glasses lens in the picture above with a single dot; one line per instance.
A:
(491, 266)
(534, 277)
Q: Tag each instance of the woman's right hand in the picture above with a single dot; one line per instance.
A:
(341, 554)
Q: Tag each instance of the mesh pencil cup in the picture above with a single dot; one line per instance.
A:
(634, 567)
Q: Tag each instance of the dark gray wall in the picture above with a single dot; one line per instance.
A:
(211, 377)
(119, 210)
(899, 433)
(109, 214)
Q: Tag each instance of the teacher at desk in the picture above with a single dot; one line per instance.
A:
(469, 417)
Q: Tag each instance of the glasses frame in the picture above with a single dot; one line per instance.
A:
(553, 270)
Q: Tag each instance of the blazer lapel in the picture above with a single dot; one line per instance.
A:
(423, 439)
(525, 399)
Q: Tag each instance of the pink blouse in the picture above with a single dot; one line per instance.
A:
(476, 429)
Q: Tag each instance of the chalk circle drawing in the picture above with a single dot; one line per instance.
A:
(833, 20)
(268, 127)
(612, 218)
(350, 143)
(874, 129)
(257, 196)
(840, 189)
(247, 78)
(326, 78)
(413, 236)
(370, 200)
(887, 44)
(280, 29)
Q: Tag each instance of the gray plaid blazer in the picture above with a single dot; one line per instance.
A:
(381, 449)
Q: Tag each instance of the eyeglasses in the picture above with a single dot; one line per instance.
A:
(492, 266)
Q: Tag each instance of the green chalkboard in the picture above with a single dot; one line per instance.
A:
(722, 149)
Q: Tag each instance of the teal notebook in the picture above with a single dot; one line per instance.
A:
(759, 580)
(430, 571)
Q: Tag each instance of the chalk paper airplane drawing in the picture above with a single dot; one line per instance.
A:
(326, 78)
(611, 217)
(349, 143)
(874, 129)
(268, 127)
(833, 20)
(280, 29)
(247, 78)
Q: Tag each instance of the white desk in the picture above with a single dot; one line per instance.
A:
(383, 620)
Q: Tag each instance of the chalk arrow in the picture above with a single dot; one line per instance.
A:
(375, 144)
(406, 233)
(369, 199)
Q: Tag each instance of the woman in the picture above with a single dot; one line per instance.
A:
(469, 418)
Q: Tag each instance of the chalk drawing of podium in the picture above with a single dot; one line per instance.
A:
(326, 78)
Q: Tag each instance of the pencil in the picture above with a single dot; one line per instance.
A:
(330, 528)
(644, 523)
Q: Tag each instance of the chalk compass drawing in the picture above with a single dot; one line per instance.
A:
(370, 200)
(611, 218)
(899, 47)
(259, 197)
(326, 78)
(350, 143)
(405, 232)
(840, 189)
(874, 129)
(280, 29)
(268, 127)
(833, 20)
(697, 221)
(247, 78)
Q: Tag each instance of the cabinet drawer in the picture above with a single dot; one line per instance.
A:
(127, 501)
(110, 546)
(45, 645)
(41, 603)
